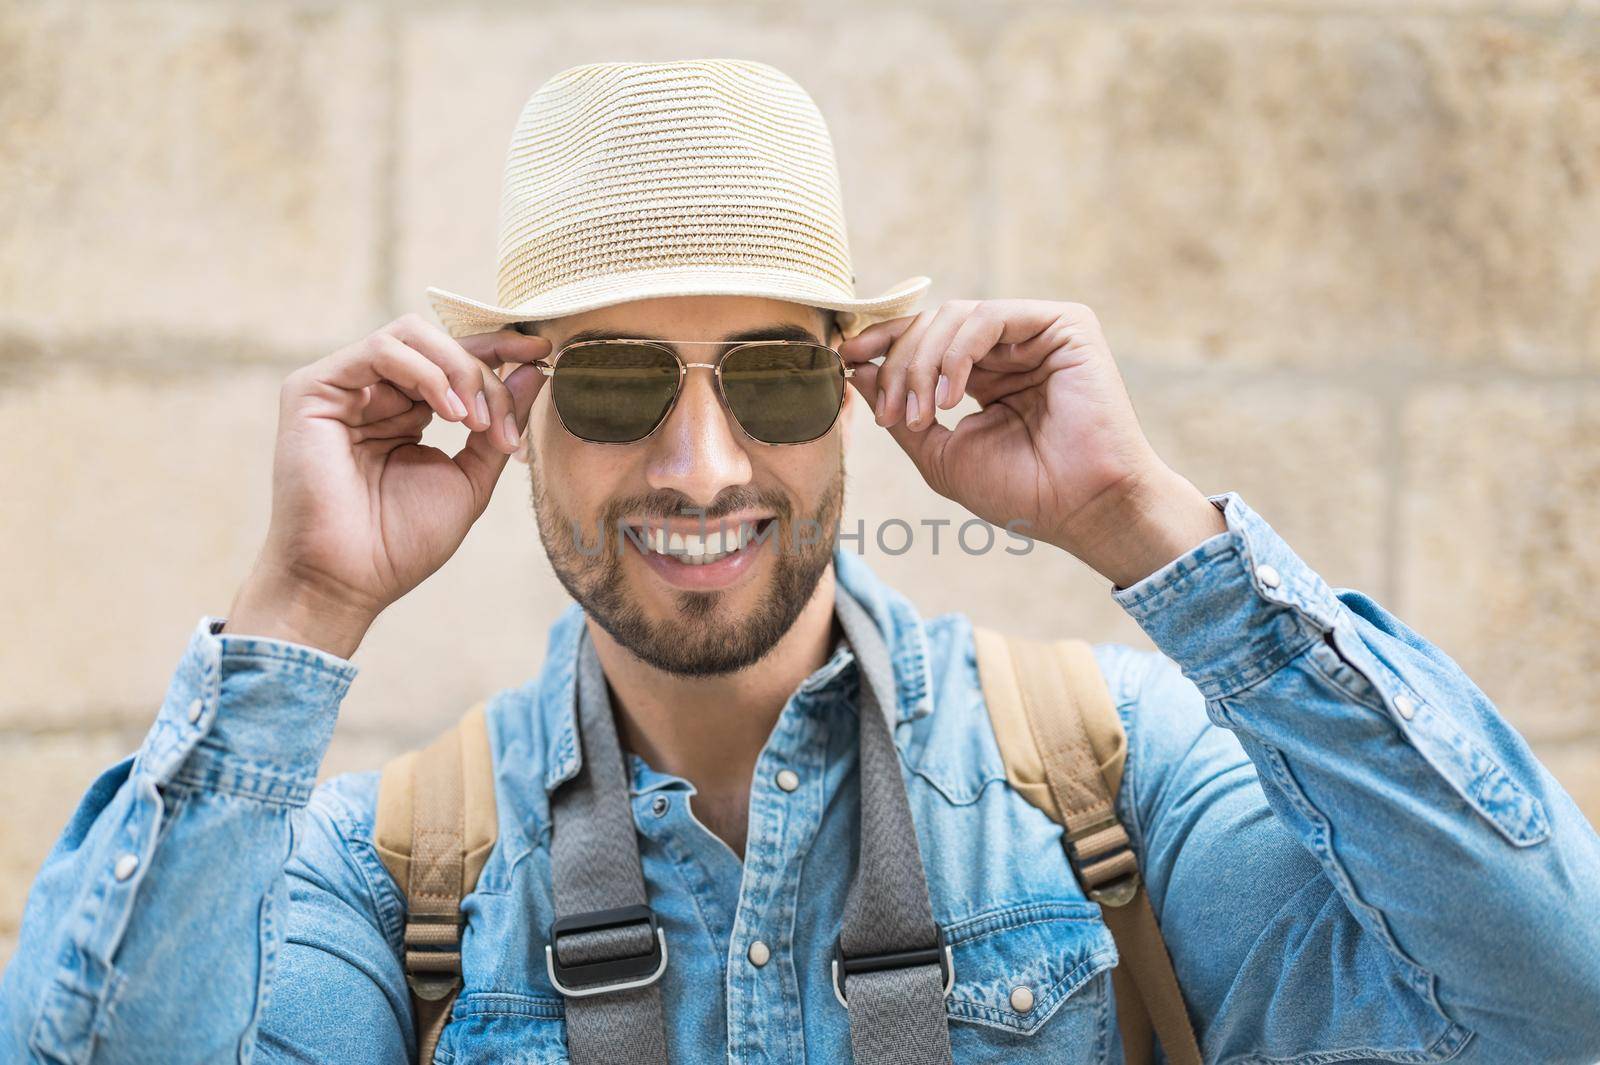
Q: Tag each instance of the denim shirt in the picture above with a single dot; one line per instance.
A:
(1352, 855)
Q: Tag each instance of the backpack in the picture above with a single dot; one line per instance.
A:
(1063, 746)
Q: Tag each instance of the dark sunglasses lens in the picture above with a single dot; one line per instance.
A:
(784, 393)
(613, 393)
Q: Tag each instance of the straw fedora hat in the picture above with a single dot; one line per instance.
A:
(629, 181)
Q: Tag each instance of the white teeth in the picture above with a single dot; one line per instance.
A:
(696, 550)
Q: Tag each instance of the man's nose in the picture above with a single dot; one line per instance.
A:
(698, 451)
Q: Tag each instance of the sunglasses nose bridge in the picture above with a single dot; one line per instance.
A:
(716, 401)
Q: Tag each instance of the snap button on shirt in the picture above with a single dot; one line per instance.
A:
(759, 954)
(194, 710)
(1022, 998)
(788, 779)
(125, 866)
(1268, 576)
(1405, 705)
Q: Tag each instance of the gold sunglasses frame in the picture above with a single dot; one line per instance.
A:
(548, 368)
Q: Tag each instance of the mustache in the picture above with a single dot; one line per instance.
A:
(667, 503)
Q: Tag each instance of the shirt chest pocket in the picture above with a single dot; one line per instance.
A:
(506, 1029)
(1032, 983)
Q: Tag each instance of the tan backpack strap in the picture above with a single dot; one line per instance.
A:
(1064, 749)
(1152, 983)
(435, 827)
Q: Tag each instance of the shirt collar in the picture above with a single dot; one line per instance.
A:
(896, 663)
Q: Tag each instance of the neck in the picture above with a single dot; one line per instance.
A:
(710, 730)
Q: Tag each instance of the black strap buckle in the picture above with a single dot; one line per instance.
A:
(938, 954)
(606, 974)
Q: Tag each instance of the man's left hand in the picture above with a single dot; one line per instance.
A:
(1055, 449)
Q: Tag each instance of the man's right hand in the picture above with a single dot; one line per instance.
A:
(362, 512)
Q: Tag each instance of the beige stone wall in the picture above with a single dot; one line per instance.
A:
(1347, 253)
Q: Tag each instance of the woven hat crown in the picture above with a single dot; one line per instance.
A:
(630, 180)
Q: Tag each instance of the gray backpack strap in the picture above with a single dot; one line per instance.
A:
(606, 952)
(893, 968)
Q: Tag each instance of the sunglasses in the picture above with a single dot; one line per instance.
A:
(620, 391)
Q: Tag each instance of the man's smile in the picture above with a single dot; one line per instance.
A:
(698, 555)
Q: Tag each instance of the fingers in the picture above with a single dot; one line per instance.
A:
(927, 362)
(935, 372)
(914, 374)
(488, 404)
(481, 458)
(503, 353)
(383, 359)
(934, 358)
(408, 424)
(925, 447)
(874, 340)
(506, 346)
(975, 340)
(889, 405)
(382, 401)
(865, 381)
(412, 359)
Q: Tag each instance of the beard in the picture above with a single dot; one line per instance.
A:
(704, 639)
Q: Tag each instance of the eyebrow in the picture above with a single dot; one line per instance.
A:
(785, 331)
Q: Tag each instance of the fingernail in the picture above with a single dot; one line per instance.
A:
(877, 408)
(941, 391)
(458, 408)
(483, 409)
(509, 429)
(911, 409)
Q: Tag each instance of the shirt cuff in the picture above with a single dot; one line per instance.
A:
(247, 714)
(1234, 608)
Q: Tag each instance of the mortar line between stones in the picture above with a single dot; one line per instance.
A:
(988, 211)
(1392, 399)
(385, 252)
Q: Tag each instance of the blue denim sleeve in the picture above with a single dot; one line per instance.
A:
(1390, 859)
(159, 918)
(340, 993)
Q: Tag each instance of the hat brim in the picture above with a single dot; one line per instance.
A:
(463, 316)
